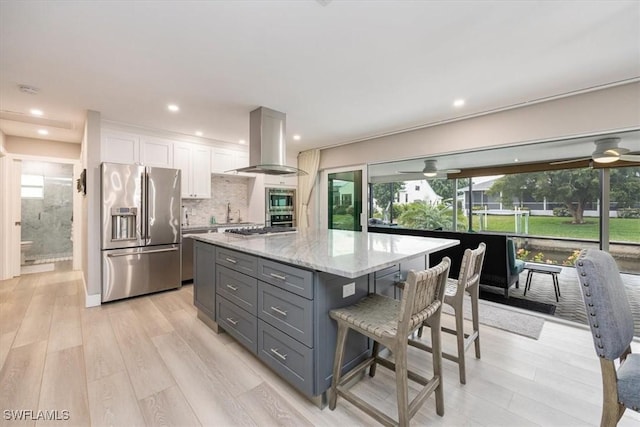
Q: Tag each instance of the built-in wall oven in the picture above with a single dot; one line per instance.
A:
(280, 207)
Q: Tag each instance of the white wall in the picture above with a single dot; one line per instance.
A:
(91, 210)
(5, 218)
(42, 148)
(595, 112)
(591, 113)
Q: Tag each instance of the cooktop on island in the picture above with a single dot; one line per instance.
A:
(252, 231)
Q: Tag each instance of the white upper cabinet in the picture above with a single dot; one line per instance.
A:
(225, 159)
(119, 147)
(280, 181)
(201, 176)
(195, 163)
(156, 152)
(242, 159)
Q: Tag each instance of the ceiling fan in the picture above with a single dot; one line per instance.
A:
(431, 171)
(607, 151)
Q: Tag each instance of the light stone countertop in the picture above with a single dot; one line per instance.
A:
(345, 253)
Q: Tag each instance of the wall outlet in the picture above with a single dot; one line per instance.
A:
(348, 289)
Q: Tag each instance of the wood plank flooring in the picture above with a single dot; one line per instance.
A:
(150, 361)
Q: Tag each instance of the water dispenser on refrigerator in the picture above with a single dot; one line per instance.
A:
(124, 223)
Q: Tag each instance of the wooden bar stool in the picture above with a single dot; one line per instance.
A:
(468, 282)
(389, 322)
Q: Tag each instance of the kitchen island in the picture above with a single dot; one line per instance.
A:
(273, 293)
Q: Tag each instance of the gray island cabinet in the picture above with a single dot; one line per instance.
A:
(273, 293)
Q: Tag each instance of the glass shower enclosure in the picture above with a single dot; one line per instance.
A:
(47, 213)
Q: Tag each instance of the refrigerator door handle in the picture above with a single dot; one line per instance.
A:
(142, 252)
(144, 223)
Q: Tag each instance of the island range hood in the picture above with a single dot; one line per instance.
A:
(267, 146)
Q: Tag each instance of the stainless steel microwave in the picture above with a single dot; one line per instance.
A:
(280, 199)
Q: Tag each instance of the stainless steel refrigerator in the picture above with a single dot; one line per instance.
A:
(140, 230)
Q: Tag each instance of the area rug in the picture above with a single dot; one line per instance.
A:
(491, 314)
(571, 306)
(525, 304)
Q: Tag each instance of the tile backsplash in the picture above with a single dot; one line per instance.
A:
(224, 189)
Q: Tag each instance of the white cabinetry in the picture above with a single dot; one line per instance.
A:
(120, 147)
(156, 152)
(225, 159)
(129, 148)
(280, 181)
(242, 159)
(195, 163)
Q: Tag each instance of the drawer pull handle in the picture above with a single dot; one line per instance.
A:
(233, 288)
(277, 353)
(279, 311)
(231, 260)
(233, 322)
(279, 276)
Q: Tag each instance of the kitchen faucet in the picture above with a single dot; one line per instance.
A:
(229, 219)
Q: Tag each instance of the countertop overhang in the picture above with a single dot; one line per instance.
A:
(345, 253)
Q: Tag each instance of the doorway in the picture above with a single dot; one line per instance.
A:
(345, 196)
(46, 216)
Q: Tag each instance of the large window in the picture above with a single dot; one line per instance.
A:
(552, 213)
(421, 204)
(624, 212)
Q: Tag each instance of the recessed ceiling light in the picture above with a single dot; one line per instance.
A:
(242, 141)
(296, 137)
(199, 133)
(458, 103)
(35, 112)
(43, 132)
(173, 108)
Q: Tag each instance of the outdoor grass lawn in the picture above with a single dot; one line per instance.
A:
(621, 229)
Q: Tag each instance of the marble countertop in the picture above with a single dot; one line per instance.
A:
(345, 253)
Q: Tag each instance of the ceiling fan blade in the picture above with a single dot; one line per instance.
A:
(630, 157)
(452, 171)
(409, 172)
(562, 162)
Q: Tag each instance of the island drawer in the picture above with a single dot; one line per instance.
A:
(237, 288)
(290, 359)
(395, 268)
(238, 261)
(292, 279)
(386, 285)
(290, 313)
(238, 323)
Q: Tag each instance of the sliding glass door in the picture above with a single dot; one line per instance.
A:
(346, 193)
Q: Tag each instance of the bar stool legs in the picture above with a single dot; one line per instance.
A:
(388, 323)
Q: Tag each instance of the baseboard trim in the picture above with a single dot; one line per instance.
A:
(90, 300)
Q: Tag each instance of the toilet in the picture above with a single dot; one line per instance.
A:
(25, 247)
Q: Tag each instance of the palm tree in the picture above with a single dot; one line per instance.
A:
(424, 216)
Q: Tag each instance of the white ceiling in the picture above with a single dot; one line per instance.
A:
(343, 72)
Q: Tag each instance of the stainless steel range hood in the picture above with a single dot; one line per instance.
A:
(267, 146)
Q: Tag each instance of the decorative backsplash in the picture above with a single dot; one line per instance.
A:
(224, 189)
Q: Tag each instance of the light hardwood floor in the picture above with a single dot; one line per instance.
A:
(150, 361)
